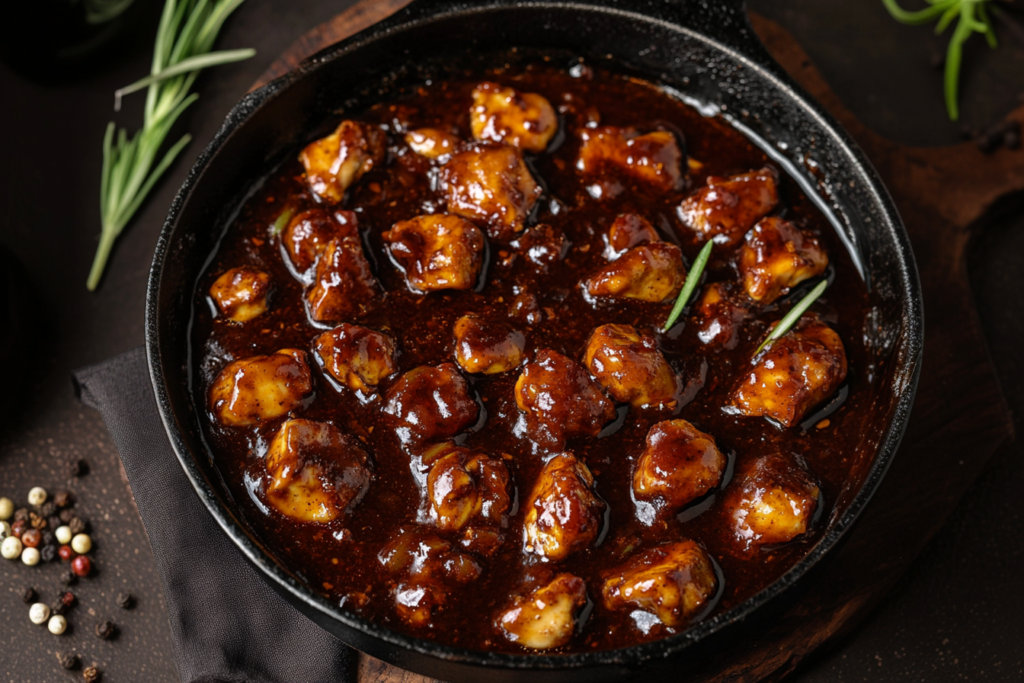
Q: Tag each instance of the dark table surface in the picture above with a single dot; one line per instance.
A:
(957, 615)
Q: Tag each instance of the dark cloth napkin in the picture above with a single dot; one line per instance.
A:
(227, 624)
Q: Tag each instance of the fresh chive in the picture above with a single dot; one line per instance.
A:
(282, 220)
(690, 285)
(790, 319)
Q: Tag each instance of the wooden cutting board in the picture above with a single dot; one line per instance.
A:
(959, 418)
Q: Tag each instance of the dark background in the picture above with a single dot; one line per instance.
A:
(957, 615)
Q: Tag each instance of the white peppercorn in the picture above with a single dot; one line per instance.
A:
(5, 530)
(6, 508)
(63, 534)
(30, 556)
(81, 543)
(11, 548)
(39, 613)
(57, 624)
(37, 496)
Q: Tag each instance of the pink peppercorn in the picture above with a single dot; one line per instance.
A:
(66, 553)
(81, 566)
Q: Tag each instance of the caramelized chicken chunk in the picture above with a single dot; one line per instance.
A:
(431, 142)
(357, 357)
(252, 390)
(521, 119)
(487, 347)
(437, 252)
(316, 472)
(772, 500)
(776, 256)
(309, 233)
(428, 568)
(652, 160)
(679, 465)
(344, 288)
(467, 490)
(335, 162)
(429, 403)
(241, 293)
(795, 373)
(627, 231)
(721, 313)
(546, 616)
(726, 208)
(543, 245)
(489, 183)
(560, 400)
(649, 272)
(674, 582)
(563, 514)
(630, 367)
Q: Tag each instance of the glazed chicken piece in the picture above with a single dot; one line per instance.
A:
(357, 357)
(652, 160)
(431, 143)
(559, 400)
(794, 374)
(777, 256)
(721, 313)
(521, 119)
(489, 183)
(726, 208)
(241, 293)
(344, 287)
(335, 162)
(487, 348)
(437, 252)
(252, 390)
(309, 233)
(543, 246)
(627, 231)
(650, 272)
(771, 501)
(316, 472)
(546, 616)
(430, 403)
(674, 582)
(563, 513)
(679, 465)
(630, 367)
(427, 569)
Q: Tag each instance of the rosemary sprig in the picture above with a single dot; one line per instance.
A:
(188, 29)
(790, 319)
(973, 18)
(690, 285)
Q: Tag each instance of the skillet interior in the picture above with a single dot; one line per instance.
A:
(272, 122)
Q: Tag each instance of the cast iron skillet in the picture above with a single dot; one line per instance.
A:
(705, 50)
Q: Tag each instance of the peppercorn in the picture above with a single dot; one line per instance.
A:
(106, 630)
(66, 515)
(125, 600)
(91, 674)
(48, 553)
(78, 468)
(63, 499)
(31, 538)
(36, 496)
(53, 521)
(68, 578)
(38, 613)
(68, 660)
(81, 565)
(57, 625)
(36, 521)
(6, 508)
(29, 596)
(48, 509)
(58, 607)
(18, 528)
(77, 526)
(5, 529)
(11, 548)
(81, 543)
(21, 515)
(30, 556)
(66, 553)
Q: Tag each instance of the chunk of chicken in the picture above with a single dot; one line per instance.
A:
(721, 312)
(563, 513)
(316, 472)
(776, 256)
(771, 501)
(487, 347)
(241, 293)
(467, 489)
(649, 272)
(489, 183)
(437, 252)
(335, 162)
(630, 367)
(543, 246)
(560, 400)
(522, 119)
(726, 208)
(611, 155)
(428, 568)
(431, 142)
(674, 582)
(795, 373)
(344, 287)
(545, 617)
(429, 403)
(309, 233)
(357, 357)
(679, 465)
(627, 231)
(252, 390)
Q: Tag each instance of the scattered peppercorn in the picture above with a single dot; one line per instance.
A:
(68, 660)
(125, 600)
(29, 596)
(68, 598)
(66, 553)
(6, 508)
(91, 674)
(18, 528)
(81, 543)
(78, 468)
(48, 509)
(46, 538)
(106, 630)
(48, 553)
(31, 538)
(66, 515)
(36, 496)
(77, 526)
(63, 499)
(36, 521)
(81, 565)
(58, 607)
(68, 578)
(63, 534)
(53, 522)
(30, 556)
(21, 515)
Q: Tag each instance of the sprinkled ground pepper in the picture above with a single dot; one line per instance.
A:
(106, 630)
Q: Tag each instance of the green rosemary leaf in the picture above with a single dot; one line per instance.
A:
(690, 285)
(191, 64)
(790, 319)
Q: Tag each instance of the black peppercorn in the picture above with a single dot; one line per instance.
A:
(106, 630)
(29, 596)
(68, 578)
(63, 499)
(92, 674)
(66, 516)
(77, 525)
(48, 553)
(125, 600)
(21, 515)
(53, 522)
(78, 468)
(36, 521)
(47, 509)
(68, 660)
(58, 608)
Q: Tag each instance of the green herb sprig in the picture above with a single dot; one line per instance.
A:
(791, 318)
(690, 285)
(973, 18)
(188, 29)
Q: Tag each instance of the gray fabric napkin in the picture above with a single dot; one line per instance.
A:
(227, 624)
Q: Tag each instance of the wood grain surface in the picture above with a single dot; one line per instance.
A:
(959, 418)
